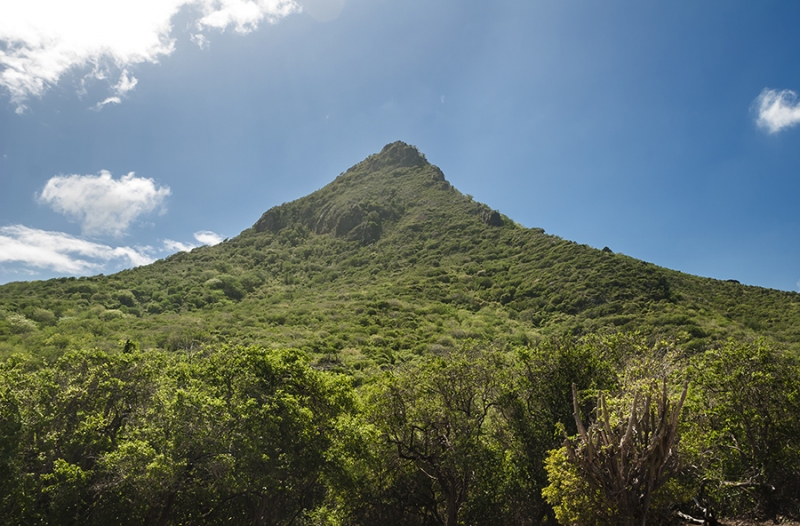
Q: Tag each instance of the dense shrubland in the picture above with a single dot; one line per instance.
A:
(435, 269)
(473, 436)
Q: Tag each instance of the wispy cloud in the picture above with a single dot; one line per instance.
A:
(777, 110)
(176, 246)
(204, 237)
(41, 40)
(126, 83)
(102, 204)
(62, 252)
(243, 15)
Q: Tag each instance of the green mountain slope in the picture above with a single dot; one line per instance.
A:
(387, 261)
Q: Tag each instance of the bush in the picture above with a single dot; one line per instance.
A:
(573, 500)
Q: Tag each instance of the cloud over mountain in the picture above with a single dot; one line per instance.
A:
(62, 252)
(207, 237)
(204, 237)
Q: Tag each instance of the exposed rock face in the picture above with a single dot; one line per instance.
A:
(366, 232)
(491, 217)
(397, 154)
(340, 224)
(270, 221)
(359, 221)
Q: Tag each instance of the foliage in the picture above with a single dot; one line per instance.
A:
(743, 427)
(535, 404)
(241, 434)
(573, 499)
(470, 436)
(435, 416)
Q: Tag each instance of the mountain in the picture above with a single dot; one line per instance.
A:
(387, 261)
(390, 265)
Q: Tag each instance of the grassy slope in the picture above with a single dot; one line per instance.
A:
(387, 261)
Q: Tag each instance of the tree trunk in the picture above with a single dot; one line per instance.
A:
(451, 497)
(260, 518)
(452, 510)
(166, 510)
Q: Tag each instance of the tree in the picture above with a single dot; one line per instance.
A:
(743, 432)
(533, 404)
(241, 434)
(235, 435)
(436, 417)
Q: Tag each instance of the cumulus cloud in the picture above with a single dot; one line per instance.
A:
(207, 237)
(41, 40)
(777, 110)
(102, 204)
(62, 252)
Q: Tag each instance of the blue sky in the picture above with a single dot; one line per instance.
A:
(664, 130)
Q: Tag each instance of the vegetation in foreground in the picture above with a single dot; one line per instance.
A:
(253, 435)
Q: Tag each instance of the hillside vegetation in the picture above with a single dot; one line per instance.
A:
(387, 261)
(388, 351)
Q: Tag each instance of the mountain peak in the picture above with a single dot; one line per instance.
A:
(373, 194)
(397, 154)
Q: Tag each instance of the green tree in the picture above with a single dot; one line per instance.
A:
(743, 432)
(69, 415)
(242, 434)
(534, 403)
(436, 416)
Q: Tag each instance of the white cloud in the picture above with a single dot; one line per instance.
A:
(102, 204)
(204, 237)
(125, 83)
(41, 40)
(207, 237)
(177, 246)
(61, 252)
(777, 110)
(121, 88)
(200, 39)
(244, 15)
(109, 100)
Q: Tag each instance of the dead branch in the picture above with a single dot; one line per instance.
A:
(629, 463)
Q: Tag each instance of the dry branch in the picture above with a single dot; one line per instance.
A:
(628, 463)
